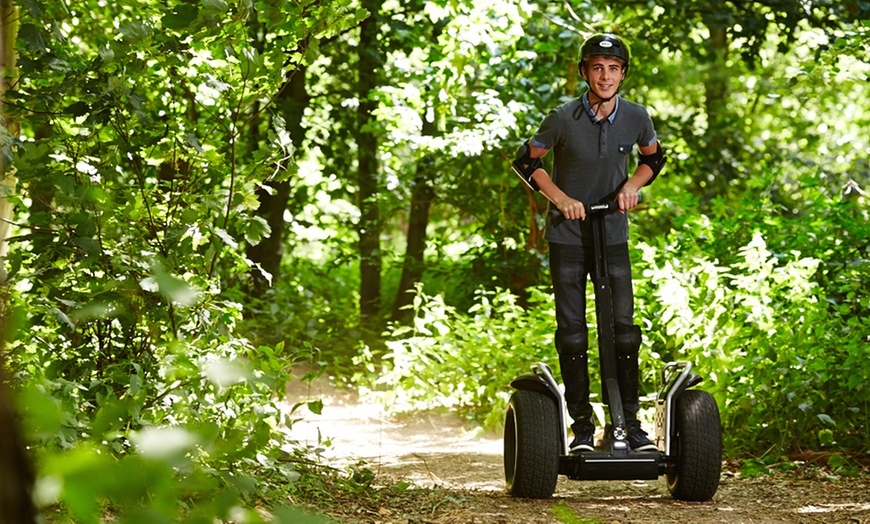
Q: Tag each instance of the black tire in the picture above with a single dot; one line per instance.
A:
(531, 445)
(698, 447)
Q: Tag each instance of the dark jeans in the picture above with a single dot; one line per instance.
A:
(569, 268)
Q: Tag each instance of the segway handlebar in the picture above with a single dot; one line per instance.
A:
(601, 208)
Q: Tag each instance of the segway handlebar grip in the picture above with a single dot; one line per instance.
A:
(601, 208)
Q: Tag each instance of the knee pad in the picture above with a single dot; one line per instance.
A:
(572, 345)
(627, 340)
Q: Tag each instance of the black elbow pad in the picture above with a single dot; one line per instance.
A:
(525, 166)
(656, 161)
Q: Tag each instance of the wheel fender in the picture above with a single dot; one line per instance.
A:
(532, 382)
(541, 381)
(691, 381)
(674, 386)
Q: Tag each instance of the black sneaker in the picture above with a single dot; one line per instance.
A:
(638, 440)
(582, 442)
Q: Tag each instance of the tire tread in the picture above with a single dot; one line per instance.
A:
(533, 445)
(699, 444)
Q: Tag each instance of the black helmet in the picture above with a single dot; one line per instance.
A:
(604, 44)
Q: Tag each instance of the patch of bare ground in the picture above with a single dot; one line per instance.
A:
(435, 470)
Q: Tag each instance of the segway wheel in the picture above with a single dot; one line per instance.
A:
(698, 447)
(531, 445)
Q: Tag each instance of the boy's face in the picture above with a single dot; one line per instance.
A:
(604, 73)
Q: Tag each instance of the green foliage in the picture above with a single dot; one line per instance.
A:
(766, 465)
(140, 155)
(462, 361)
(309, 312)
(765, 321)
(836, 465)
(196, 436)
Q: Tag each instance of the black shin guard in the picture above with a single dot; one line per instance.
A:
(574, 365)
(627, 373)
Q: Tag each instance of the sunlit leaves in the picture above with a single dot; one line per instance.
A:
(174, 289)
(166, 444)
(464, 359)
(764, 329)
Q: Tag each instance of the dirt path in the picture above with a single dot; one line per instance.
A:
(437, 451)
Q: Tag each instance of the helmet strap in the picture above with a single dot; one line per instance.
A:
(601, 101)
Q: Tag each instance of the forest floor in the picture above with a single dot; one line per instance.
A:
(435, 470)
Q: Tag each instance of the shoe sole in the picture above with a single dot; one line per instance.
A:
(581, 447)
(645, 447)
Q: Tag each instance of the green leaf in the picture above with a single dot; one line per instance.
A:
(827, 420)
(214, 7)
(257, 228)
(227, 238)
(78, 109)
(316, 407)
(135, 32)
(193, 142)
(826, 438)
(33, 38)
(87, 244)
(167, 444)
(171, 287)
(837, 461)
(181, 17)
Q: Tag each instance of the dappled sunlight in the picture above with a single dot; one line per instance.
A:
(833, 508)
(405, 447)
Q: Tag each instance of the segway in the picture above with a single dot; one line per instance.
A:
(688, 434)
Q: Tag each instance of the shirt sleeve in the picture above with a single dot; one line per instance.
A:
(648, 133)
(548, 134)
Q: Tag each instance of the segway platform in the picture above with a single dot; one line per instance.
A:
(603, 465)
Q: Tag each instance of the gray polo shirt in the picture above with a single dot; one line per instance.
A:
(591, 160)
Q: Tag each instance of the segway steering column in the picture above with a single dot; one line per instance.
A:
(606, 330)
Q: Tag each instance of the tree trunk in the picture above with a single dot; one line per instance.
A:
(422, 194)
(8, 72)
(369, 227)
(291, 103)
(16, 472)
(716, 107)
(716, 83)
(269, 252)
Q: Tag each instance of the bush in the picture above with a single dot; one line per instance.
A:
(460, 361)
(774, 322)
(195, 433)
